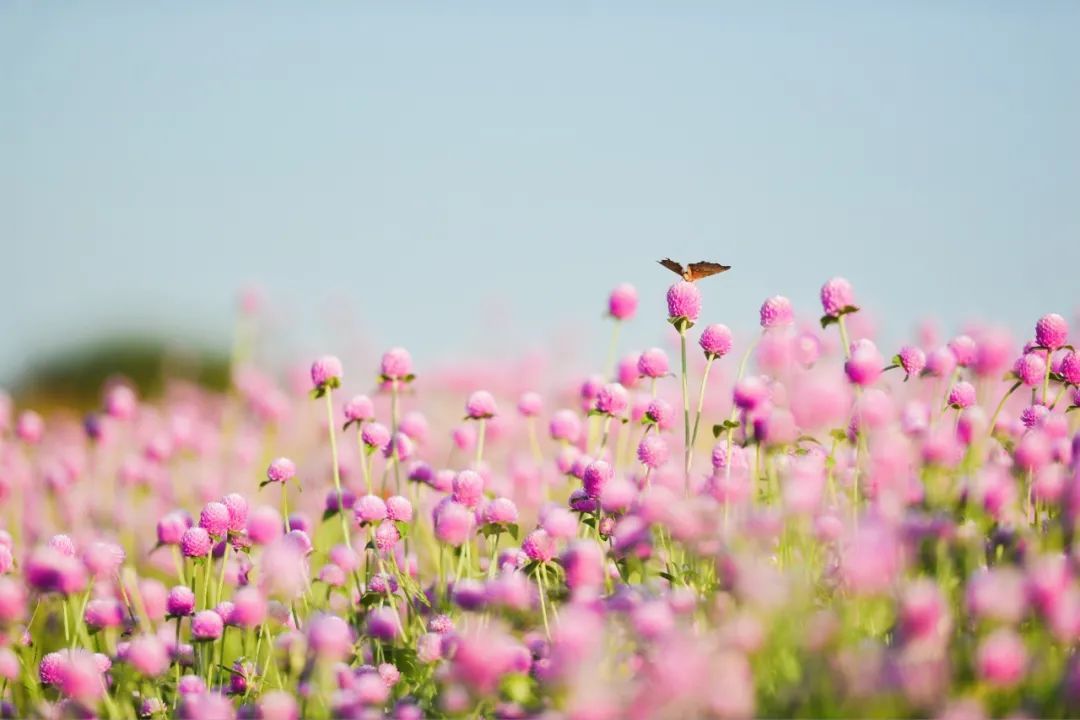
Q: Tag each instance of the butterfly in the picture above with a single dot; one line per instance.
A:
(694, 271)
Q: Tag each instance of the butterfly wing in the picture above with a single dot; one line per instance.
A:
(703, 269)
(672, 266)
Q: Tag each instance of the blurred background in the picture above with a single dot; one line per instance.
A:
(469, 180)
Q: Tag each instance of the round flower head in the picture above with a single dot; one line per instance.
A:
(120, 402)
(912, 360)
(837, 295)
(750, 392)
(238, 511)
(653, 451)
(501, 511)
(596, 476)
(1001, 659)
(653, 363)
(196, 542)
(329, 637)
(626, 372)
(181, 601)
(940, 362)
(964, 350)
(715, 340)
(622, 303)
(865, 364)
(530, 404)
(359, 409)
(171, 527)
(278, 705)
(962, 395)
(468, 488)
(214, 519)
(207, 625)
(30, 427)
(396, 364)
(480, 406)
(683, 301)
(249, 608)
(382, 623)
(148, 656)
(281, 470)
(565, 426)
(386, 537)
(1052, 331)
(453, 523)
(103, 613)
(539, 546)
(777, 312)
(370, 509)
(1030, 369)
(612, 399)
(264, 525)
(375, 436)
(12, 600)
(399, 508)
(1070, 369)
(660, 412)
(326, 372)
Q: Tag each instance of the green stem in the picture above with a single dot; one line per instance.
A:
(337, 471)
(480, 443)
(700, 406)
(686, 407)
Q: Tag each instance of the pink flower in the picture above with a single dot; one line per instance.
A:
(214, 518)
(539, 546)
(196, 542)
(1052, 331)
(359, 409)
(653, 451)
(326, 372)
(396, 364)
(684, 301)
(612, 399)
(370, 509)
(653, 363)
(962, 395)
(777, 312)
(836, 295)
(480, 406)
(912, 360)
(530, 404)
(865, 364)
(281, 470)
(715, 340)
(453, 522)
(1001, 659)
(565, 425)
(1030, 369)
(623, 301)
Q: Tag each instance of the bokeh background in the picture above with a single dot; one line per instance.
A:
(472, 178)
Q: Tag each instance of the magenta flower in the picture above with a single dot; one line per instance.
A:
(326, 373)
(281, 470)
(181, 601)
(206, 625)
(837, 296)
(358, 410)
(777, 312)
(653, 363)
(1052, 331)
(396, 364)
(623, 301)
(1001, 659)
(480, 406)
(962, 395)
(653, 451)
(684, 302)
(715, 340)
(1030, 369)
(214, 519)
(865, 364)
(196, 542)
(530, 404)
(912, 360)
(539, 546)
(613, 399)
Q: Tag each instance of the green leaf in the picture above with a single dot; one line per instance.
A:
(514, 530)
(403, 528)
(594, 412)
(827, 320)
(838, 434)
(517, 687)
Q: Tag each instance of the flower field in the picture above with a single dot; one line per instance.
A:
(790, 522)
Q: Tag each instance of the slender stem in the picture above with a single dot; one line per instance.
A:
(394, 433)
(844, 337)
(285, 507)
(363, 458)
(700, 405)
(221, 576)
(480, 442)
(686, 407)
(543, 598)
(997, 411)
(337, 471)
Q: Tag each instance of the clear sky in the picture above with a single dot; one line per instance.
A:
(443, 169)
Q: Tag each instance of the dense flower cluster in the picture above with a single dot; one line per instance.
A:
(820, 532)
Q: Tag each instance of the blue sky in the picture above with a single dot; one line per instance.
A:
(438, 174)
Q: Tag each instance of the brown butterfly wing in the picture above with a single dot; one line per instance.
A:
(672, 266)
(703, 269)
